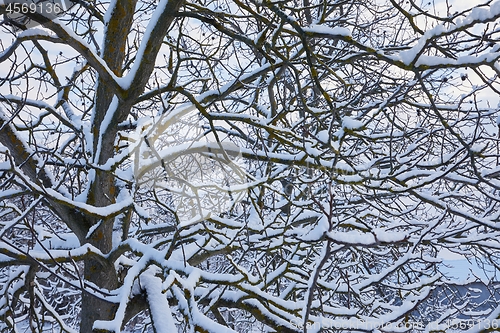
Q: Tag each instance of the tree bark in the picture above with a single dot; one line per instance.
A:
(103, 189)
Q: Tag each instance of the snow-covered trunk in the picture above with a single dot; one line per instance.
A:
(111, 108)
(102, 192)
(102, 273)
(108, 113)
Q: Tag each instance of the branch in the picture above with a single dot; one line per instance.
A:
(68, 37)
(28, 163)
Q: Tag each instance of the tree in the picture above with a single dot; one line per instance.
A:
(222, 166)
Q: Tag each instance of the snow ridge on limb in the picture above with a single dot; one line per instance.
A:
(84, 49)
(159, 307)
(156, 31)
(32, 34)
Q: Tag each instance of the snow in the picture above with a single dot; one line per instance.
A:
(479, 14)
(104, 211)
(409, 56)
(325, 30)
(351, 124)
(315, 233)
(4, 194)
(93, 228)
(107, 17)
(385, 236)
(126, 82)
(477, 147)
(104, 126)
(159, 308)
(352, 237)
(63, 241)
(33, 32)
(312, 150)
(88, 48)
(195, 219)
(323, 136)
(434, 61)
(208, 324)
(349, 178)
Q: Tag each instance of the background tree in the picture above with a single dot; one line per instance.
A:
(221, 166)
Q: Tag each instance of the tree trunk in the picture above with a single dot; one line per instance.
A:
(93, 308)
(103, 188)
